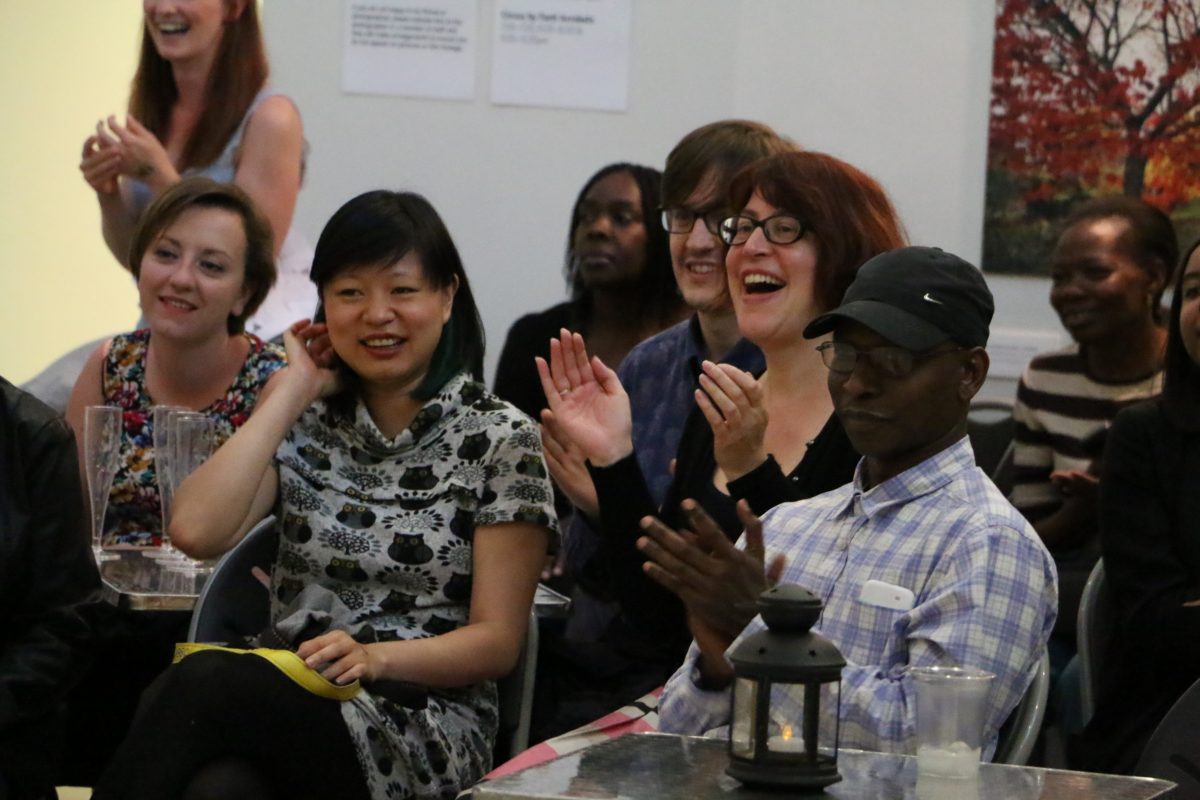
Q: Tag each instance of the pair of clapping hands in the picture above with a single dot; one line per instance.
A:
(589, 418)
(130, 150)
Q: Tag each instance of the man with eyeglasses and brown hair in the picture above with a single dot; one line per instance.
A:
(965, 579)
(660, 376)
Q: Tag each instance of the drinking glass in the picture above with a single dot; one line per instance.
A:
(951, 711)
(191, 437)
(101, 451)
(162, 467)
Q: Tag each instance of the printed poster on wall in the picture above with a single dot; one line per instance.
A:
(562, 53)
(1089, 99)
(411, 48)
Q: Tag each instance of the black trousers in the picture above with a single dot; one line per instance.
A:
(213, 706)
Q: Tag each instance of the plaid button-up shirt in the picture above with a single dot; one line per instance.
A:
(985, 596)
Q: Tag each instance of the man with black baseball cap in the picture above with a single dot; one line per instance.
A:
(920, 560)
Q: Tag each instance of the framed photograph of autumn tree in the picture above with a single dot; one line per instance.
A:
(1089, 98)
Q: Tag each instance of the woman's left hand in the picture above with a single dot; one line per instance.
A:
(732, 402)
(339, 658)
(1076, 483)
(144, 156)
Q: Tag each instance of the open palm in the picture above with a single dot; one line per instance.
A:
(588, 402)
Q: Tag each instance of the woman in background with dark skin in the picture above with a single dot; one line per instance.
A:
(1107, 276)
(1149, 504)
(618, 267)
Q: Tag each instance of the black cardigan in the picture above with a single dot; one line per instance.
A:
(1149, 518)
(46, 575)
(651, 622)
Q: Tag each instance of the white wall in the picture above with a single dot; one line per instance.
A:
(898, 88)
(63, 65)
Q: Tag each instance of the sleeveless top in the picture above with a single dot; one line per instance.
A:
(134, 515)
(293, 296)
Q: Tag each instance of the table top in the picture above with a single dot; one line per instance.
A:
(134, 581)
(665, 767)
(137, 582)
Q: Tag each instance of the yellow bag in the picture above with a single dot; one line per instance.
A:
(286, 662)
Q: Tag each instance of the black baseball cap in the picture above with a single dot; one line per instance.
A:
(916, 297)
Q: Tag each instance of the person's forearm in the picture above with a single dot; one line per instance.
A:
(688, 708)
(473, 653)
(1071, 526)
(212, 505)
(116, 225)
(763, 487)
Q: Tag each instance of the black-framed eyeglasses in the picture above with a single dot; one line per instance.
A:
(683, 220)
(778, 228)
(892, 361)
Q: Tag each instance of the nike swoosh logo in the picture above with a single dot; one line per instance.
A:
(929, 299)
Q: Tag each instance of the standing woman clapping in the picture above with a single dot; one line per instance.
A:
(200, 105)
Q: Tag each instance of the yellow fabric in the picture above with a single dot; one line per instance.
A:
(286, 662)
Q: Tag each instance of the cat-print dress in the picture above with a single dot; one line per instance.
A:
(387, 525)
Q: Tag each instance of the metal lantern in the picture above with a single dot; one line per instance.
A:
(766, 749)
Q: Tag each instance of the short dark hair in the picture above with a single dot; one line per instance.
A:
(1149, 239)
(656, 298)
(380, 228)
(1181, 378)
(847, 210)
(199, 192)
(716, 152)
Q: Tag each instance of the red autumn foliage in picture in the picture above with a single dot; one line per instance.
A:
(1089, 97)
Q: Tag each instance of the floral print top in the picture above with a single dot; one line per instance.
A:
(134, 516)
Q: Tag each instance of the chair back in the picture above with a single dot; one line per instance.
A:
(990, 428)
(1020, 731)
(233, 604)
(1094, 628)
(516, 699)
(1173, 750)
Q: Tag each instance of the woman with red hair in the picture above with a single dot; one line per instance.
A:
(807, 221)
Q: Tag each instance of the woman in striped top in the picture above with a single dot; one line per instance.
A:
(1110, 267)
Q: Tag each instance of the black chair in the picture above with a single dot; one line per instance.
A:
(233, 604)
(1094, 630)
(1173, 751)
(1020, 731)
(516, 700)
(990, 428)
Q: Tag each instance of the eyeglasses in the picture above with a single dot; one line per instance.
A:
(683, 220)
(894, 362)
(778, 228)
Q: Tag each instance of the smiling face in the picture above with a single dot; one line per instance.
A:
(772, 285)
(896, 423)
(609, 241)
(385, 321)
(192, 277)
(185, 30)
(1098, 290)
(698, 257)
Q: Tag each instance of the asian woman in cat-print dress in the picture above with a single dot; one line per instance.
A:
(400, 484)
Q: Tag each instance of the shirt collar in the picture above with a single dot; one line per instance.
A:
(930, 475)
